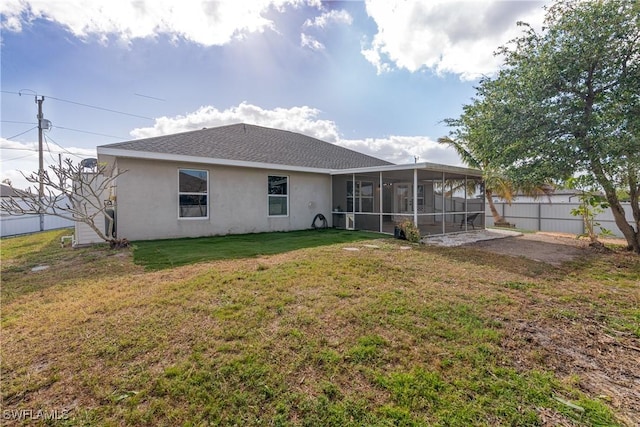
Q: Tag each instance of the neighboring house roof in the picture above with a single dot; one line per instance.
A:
(244, 144)
(6, 191)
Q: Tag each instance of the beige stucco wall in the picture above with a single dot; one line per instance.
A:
(84, 235)
(147, 200)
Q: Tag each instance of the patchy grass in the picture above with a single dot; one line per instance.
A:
(65, 266)
(322, 336)
(161, 254)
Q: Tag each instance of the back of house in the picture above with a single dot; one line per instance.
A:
(232, 179)
(245, 178)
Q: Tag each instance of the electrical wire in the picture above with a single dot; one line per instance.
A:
(150, 97)
(22, 133)
(64, 149)
(48, 150)
(89, 132)
(62, 127)
(15, 121)
(35, 150)
(16, 158)
(19, 149)
(84, 105)
(100, 108)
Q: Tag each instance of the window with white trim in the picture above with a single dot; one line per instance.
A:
(278, 195)
(362, 197)
(193, 192)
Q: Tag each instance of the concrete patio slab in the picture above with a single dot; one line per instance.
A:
(464, 238)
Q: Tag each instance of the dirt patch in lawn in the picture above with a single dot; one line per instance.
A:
(580, 345)
(578, 342)
(551, 248)
(603, 363)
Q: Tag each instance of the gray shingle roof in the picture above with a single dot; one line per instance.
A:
(6, 191)
(250, 143)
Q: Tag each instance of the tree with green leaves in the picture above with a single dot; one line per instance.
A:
(567, 102)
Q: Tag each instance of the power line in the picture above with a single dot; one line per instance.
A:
(150, 97)
(89, 132)
(86, 105)
(100, 108)
(17, 158)
(35, 150)
(22, 133)
(62, 127)
(64, 149)
(19, 149)
(15, 121)
(49, 149)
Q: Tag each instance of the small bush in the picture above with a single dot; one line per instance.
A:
(411, 232)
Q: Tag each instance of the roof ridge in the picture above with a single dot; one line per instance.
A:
(257, 143)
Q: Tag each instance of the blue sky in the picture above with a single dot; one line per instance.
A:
(376, 76)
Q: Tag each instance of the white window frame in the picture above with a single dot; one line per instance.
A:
(186, 193)
(286, 196)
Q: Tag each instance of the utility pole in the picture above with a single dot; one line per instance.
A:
(40, 159)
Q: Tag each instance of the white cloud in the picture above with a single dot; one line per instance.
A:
(327, 18)
(321, 22)
(395, 149)
(22, 157)
(310, 42)
(204, 22)
(445, 36)
(297, 119)
(404, 149)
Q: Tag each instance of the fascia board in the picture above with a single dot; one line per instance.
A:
(410, 166)
(148, 155)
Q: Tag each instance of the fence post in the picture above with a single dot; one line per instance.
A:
(539, 216)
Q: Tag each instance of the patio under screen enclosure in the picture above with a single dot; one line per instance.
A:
(439, 199)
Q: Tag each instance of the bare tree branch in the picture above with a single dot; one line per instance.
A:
(71, 193)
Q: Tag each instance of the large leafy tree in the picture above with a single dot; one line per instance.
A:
(567, 102)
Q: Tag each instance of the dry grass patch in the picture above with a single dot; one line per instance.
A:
(323, 336)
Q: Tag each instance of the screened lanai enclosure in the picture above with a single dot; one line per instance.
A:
(438, 199)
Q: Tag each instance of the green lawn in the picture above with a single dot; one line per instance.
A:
(160, 254)
(314, 336)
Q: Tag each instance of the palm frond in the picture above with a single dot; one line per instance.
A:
(462, 150)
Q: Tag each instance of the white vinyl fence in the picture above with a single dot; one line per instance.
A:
(541, 216)
(25, 224)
